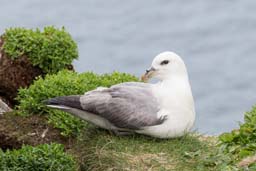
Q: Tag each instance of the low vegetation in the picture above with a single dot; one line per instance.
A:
(51, 49)
(241, 143)
(50, 157)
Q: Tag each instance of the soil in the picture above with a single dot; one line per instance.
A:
(15, 74)
(32, 130)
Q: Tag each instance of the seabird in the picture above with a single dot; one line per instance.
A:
(164, 109)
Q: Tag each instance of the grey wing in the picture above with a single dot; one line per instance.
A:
(125, 106)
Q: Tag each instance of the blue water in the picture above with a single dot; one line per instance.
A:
(217, 40)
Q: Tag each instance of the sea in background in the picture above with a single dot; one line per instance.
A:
(216, 39)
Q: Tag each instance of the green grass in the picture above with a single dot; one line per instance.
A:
(99, 150)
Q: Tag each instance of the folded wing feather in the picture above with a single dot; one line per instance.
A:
(127, 105)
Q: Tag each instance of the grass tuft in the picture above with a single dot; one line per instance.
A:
(99, 150)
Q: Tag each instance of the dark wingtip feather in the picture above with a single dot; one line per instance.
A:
(50, 101)
(45, 102)
(70, 101)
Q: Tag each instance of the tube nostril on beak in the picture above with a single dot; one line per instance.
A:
(148, 74)
(150, 69)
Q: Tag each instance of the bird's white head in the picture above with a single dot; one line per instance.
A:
(165, 66)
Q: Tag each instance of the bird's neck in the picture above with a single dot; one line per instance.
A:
(175, 82)
(176, 90)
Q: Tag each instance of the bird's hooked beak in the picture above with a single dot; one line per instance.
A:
(149, 73)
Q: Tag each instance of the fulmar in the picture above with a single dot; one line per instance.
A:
(164, 109)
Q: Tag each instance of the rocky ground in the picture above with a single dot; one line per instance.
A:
(4, 107)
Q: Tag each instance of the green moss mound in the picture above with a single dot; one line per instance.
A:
(51, 49)
(41, 158)
(62, 84)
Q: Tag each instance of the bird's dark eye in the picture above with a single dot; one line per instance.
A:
(165, 62)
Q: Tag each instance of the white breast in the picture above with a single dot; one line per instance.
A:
(176, 101)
